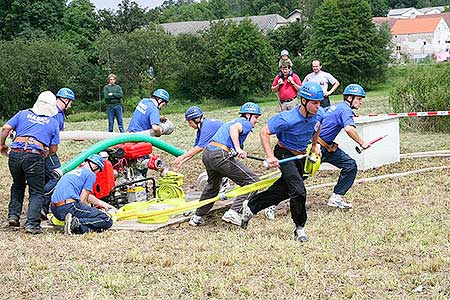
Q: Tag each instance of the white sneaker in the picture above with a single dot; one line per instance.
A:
(233, 217)
(196, 221)
(246, 214)
(270, 212)
(338, 201)
(300, 234)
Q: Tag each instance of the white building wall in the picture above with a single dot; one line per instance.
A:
(423, 44)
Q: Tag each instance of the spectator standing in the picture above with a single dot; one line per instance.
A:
(286, 84)
(113, 95)
(323, 79)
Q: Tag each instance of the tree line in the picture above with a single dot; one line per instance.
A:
(48, 44)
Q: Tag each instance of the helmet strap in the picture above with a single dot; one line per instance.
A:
(351, 101)
(90, 166)
(198, 122)
(308, 114)
(66, 103)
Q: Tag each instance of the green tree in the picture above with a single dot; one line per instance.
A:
(30, 19)
(345, 39)
(244, 61)
(130, 16)
(380, 8)
(36, 66)
(80, 25)
(130, 56)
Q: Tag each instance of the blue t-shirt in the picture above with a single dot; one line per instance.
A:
(72, 184)
(336, 117)
(223, 133)
(42, 128)
(206, 132)
(145, 115)
(60, 118)
(293, 130)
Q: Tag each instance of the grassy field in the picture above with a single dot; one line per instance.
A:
(394, 244)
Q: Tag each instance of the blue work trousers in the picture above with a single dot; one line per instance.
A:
(91, 218)
(26, 168)
(51, 163)
(348, 167)
(115, 112)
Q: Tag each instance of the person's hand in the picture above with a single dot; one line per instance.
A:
(4, 150)
(163, 119)
(241, 153)
(316, 150)
(272, 161)
(280, 81)
(365, 145)
(110, 94)
(177, 164)
(290, 80)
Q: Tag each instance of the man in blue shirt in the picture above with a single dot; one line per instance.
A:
(64, 99)
(71, 199)
(219, 160)
(337, 117)
(147, 113)
(206, 128)
(37, 134)
(294, 130)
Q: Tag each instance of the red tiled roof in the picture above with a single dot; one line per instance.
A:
(381, 20)
(417, 25)
(445, 16)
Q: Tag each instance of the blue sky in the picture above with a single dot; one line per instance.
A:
(113, 4)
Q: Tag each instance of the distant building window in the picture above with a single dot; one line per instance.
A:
(424, 43)
(398, 48)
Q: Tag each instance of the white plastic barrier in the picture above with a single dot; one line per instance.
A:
(385, 151)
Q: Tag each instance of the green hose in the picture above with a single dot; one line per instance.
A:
(102, 145)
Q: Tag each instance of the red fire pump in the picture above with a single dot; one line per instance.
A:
(124, 177)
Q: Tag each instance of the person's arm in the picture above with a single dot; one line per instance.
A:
(295, 81)
(265, 142)
(106, 94)
(5, 132)
(52, 149)
(118, 92)
(276, 83)
(84, 196)
(333, 88)
(180, 160)
(351, 131)
(98, 203)
(157, 130)
(235, 130)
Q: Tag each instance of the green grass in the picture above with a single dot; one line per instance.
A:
(395, 239)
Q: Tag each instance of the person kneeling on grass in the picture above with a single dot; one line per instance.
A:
(71, 199)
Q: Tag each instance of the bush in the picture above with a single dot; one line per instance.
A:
(424, 88)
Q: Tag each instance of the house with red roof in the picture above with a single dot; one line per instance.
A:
(420, 37)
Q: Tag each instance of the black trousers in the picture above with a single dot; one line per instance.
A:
(290, 185)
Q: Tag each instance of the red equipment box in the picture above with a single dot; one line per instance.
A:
(136, 150)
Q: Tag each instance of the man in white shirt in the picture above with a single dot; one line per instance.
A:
(323, 79)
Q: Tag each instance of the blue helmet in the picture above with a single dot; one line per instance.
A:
(66, 93)
(250, 108)
(193, 112)
(162, 94)
(355, 90)
(311, 91)
(96, 159)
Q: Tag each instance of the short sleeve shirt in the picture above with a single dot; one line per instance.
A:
(206, 132)
(286, 91)
(322, 78)
(223, 136)
(42, 128)
(336, 117)
(72, 184)
(293, 130)
(145, 115)
(60, 119)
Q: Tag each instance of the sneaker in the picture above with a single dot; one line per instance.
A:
(300, 234)
(246, 214)
(13, 222)
(33, 230)
(338, 201)
(71, 224)
(231, 216)
(196, 221)
(270, 212)
(43, 215)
